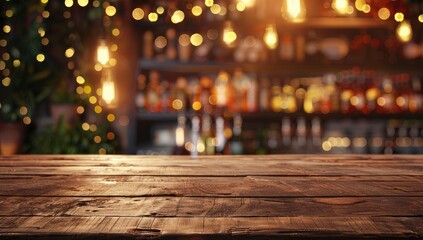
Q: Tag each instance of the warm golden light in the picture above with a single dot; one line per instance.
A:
(160, 10)
(197, 11)
(177, 17)
(404, 31)
(180, 136)
(103, 55)
(7, 28)
(222, 89)
(208, 3)
(215, 9)
(359, 4)
(83, 3)
(294, 10)
(196, 39)
(341, 6)
(110, 11)
(271, 37)
(420, 18)
(69, 52)
(229, 35)
(384, 13)
(399, 16)
(248, 3)
(108, 88)
(153, 17)
(138, 14)
(40, 57)
(68, 3)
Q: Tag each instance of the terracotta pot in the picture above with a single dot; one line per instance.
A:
(11, 137)
(68, 111)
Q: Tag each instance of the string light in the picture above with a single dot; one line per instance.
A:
(177, 17)
(196, 11)
(196, 39)
(138, 14)
(68, 3)
(110, 11)
(153, 17)
(82, 3)
(384, 13)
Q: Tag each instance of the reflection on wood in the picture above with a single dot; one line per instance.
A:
(240, 197)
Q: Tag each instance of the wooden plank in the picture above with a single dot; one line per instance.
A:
(210, 207)
(270, 227)
(88, 186)
(210, 169)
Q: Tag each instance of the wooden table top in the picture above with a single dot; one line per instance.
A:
(220, 197)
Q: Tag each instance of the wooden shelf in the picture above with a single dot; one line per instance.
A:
(266, 116)
(283, 68)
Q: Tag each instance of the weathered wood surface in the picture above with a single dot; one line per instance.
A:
(240, 197)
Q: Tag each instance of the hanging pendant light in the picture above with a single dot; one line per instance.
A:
(229, 35)
(108, 88)
(271, 36)
(404, 31)
(103, 54)
(293, 10)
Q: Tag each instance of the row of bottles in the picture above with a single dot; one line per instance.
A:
(312, 46)
(206, 135)
(351, 91)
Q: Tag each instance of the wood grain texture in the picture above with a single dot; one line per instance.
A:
(221, 197)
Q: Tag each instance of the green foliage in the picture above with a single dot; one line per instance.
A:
(61, 138)
(62, 94)
(31, 81)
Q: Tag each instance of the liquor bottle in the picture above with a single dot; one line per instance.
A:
(153, 103)
(287, 48)
(372, 92)
(221, 142)
(165, 86)
(236, 143)
(206, 134)
(237, 82)
(316, 132)
(252, 95)
(261, 139)
(286, 131)
(301, 133)
(180, 135)
(195, 134)
(148, 45)
(416, 99)
(171, 44)
(140, 100)
(264, 96)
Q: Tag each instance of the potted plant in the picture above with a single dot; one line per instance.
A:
(27, 76)
(62, 138)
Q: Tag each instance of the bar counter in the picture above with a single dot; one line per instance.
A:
(219, 197)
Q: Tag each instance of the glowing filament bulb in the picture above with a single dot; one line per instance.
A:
(341, 6)
(248, 3)
(108, 88)
(294, 10)
(271, 36)
(404, 31)
(103, 55)
(229, 35)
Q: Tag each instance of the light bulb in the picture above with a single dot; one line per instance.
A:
(103, 55)
(341, 6)
(404, 31)
(248, 3)
(271, 36)
(293, 10)
(108, 88)
(229, 35)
